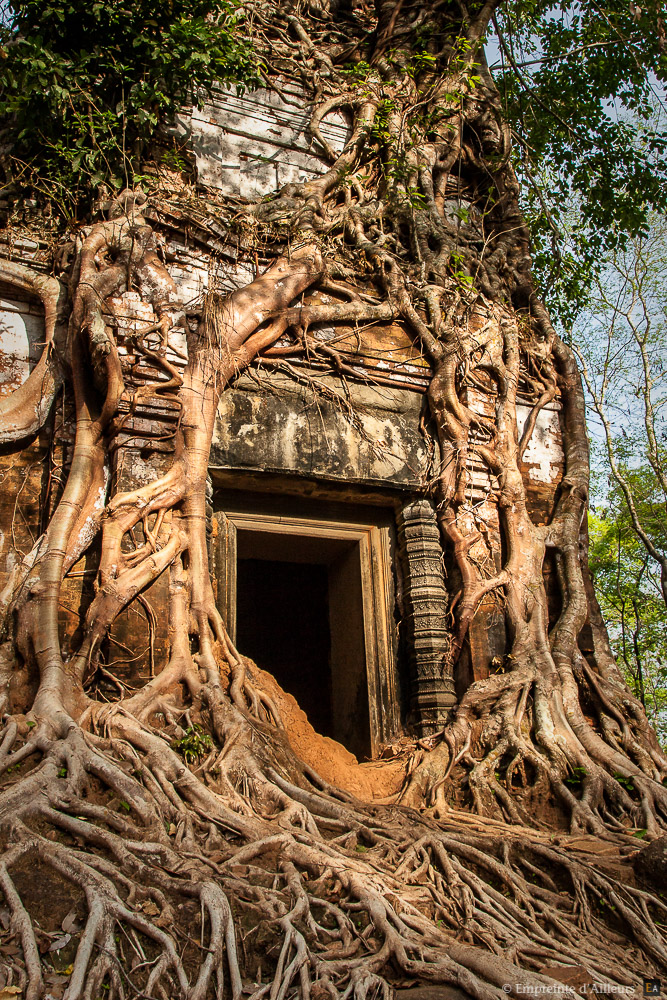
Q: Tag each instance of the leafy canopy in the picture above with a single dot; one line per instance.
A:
(632, 606)
(583, 85)
(85, 85)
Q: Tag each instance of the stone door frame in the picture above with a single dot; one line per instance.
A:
(372, 543)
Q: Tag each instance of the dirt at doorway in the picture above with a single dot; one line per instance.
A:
(378, 780)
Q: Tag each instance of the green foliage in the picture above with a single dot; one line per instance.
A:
(627, 783)
(385, 110)
(632, 607)
(357, 72)
(579, 84)
(84, 86)
(195, 744)
(621, 342)
(457, 263)
(576, 778)
(422, 60)
(173, 159)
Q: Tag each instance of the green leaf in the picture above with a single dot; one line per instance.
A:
(73, 64)
(560, 72)
(194, 744)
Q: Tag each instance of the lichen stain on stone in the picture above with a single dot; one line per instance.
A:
(21, 343)
(544, 455)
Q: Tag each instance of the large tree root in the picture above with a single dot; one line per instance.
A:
(340, 897)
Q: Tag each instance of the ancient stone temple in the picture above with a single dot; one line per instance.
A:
(320, 469)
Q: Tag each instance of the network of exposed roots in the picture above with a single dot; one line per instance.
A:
(235, 868)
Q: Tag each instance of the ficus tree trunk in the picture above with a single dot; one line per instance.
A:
(297, 888)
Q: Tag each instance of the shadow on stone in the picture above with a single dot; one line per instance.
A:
(650, 864)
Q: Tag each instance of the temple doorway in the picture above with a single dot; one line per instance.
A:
(309, 601)
(300, 617)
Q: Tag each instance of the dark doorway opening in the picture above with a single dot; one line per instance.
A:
(282, 622)
(299, 608)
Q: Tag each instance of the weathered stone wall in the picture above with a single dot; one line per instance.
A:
(367, 435)
(291, 420)
(21, 336)
(251, 145)
(21, 474)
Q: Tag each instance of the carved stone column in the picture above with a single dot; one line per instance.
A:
(424, 615)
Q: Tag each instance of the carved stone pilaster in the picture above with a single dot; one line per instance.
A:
(425, 616)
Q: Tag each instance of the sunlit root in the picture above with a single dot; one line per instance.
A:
(23, 412)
